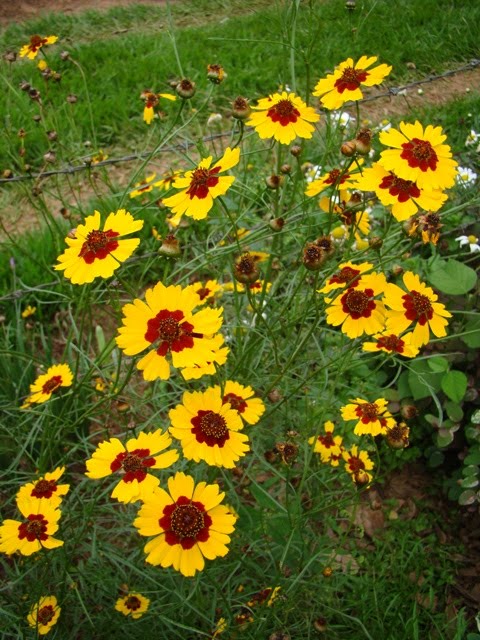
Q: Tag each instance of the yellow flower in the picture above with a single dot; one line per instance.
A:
(219, 357)
(348, 275)
(44, 614)
(133, 461)
(328, 446)
(393, 344)
(201, 186)
(220, 627)
(242, 399)
(36, 530)
(418, 306)
(151, 101)
(45, 488)
(188, 522)
(346, 206)
(358, 465)
(404, 196)
(144, 186)
(28, 311)
(259, 286)
(357, 310)
(344, 83)
(338, 178)
(284, 117)
(99, 157)
(133, 604)
(208, 291)
(167, 180)
(58, 375)
(93, 253)
(419, 155)
(36, 43)
(167, 325)
(372, 417)
(208, 429)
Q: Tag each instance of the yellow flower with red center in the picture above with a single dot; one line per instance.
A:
(188, 522)
(348, 275)
(428, 225)
(348, 208)
(151, 101)
(144, 186)
(404, 196)
(209, 429)
(58, 375)
(358, 464)
(265, 596)
(259, 286)
(36, 43)
(207, 292)
(93, 253)
(133, 604)
(284, 117)
(219, 357)
(344, 84)
(337, 178)
(393, 344)
(327, 445)
(44, 614)
(357, 310)
(200, 187)
(45, 488)
(167, 325)
(372, 417)
(35, 532)
(166, 182)
(419, 155)
(133, 461)
(242, 399)
(418, 305)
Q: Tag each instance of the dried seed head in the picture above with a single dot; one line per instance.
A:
(397, 436)
(320, 624)
(273, 181)
(288, 451)
(170, 247)
(52, 135)
(326, 244)
(409, 411)
(216, 73)
(50, 157)
(240, 108)
(275, 395)
(65, 55)
(37, 118)
(363, 142)
(245, 269)
(313, 256)
(34, 94)
(7, 174)
(185, 88)
(277, 224)
(72, 98)
(25, 86)
(10, 56)
(21, 133)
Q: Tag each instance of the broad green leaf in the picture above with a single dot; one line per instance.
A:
(473, 457)
(454, 385)
(454, 411)
(452, 277)
(422, 380)
(438, 363)
(472, 340)
(467, 497)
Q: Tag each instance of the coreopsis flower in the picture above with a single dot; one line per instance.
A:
(404, 196)
(343, 85)
(167, 325)
(372, 417)
(200, 187)
(220, 626)
(44, 614)
(327, 445)
(167, 180)
(358, 464)
(419, 155)
(58, 375)
(259, 286)
(465, 176)
(265, 596)
(95, 253)
(337, 178)
(207, 292)
(219, 357)
(417, 306)
(188, 522)
(397, 437)
(101, 156)
(36, 43)
(35, 532)
(144, 186)
(208, 428)
(348, 208)
(348, 275)
(284, 117)
(243, 400)
(45, 488)
(471, 241)
(358, 310)
(28, 311)
(151, 101)
(133, 604)
(133, 461)
(392, 344)
(428, 225)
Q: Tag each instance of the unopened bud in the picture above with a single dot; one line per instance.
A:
(65, 55)
(397, 270)
(216, 73)
(25, 86)
(21, 133)
(50, 157)
(277, 224)
(328, 572)
(361, 478)
(273, 181)
(363, 142)
(409, 411)
(185, 89)
(7, 174)
(350, 5)
(170, 247)
(285, 169)
(52, 135)
(10, 56)
(34, 94)
(72, 98)
(295, 150)
(320, 624)
(313, 256)
(348, 148)
(240, 108)
(375, 242)
(37, 118)
(275, 396)
(245, 269)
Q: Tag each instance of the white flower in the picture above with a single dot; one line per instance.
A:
(313, 172)
(472, 138)
(341, 118)
(213, 119)
(465, 176)
(384, 125)
(472, 242)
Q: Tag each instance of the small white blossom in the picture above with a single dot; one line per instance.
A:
(313, 173)
(472, 138)
(465, 176)
(213, 119)
(341, 119)
(472, 242)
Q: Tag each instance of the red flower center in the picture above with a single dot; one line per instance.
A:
(351, 79)
(36, 42)
(52, 385)
(133, 463)
(98, 245)
(403, 190)
(44, 488)
(418, 307)
(367, 412)
(151, 100)
(203, 292)
(419, 153)
(358, 304)
(327, 440)
(391, 343)
(133, 603)
(236, 402)
(283, 112)
(355, 464)
(211, 428)
(173, 334)
(34, 528)
(185, 523)
(202, 180)
(335, 177)
(45, 614)
(348, 276)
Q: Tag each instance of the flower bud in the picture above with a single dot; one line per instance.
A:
(240, 108)
(277, 224)
(37, 118)
(275, 396)
(245, 269)
(10, 56)
(170, 247)
(7, 174)
(328, 572)
(409, 411)
(374, 242)
(25, 86)
(185, 89)
(285, 169)
(397, 436)
(288, 451)
(313, 256)
(348, 148)
(363, 142)
(72, 98)
(320, 624)
(274, 181)
(397, 270)
(64, 55)
(216, 73)
(361, 478)
(52, 135)
(50, 157)
(295, 150)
